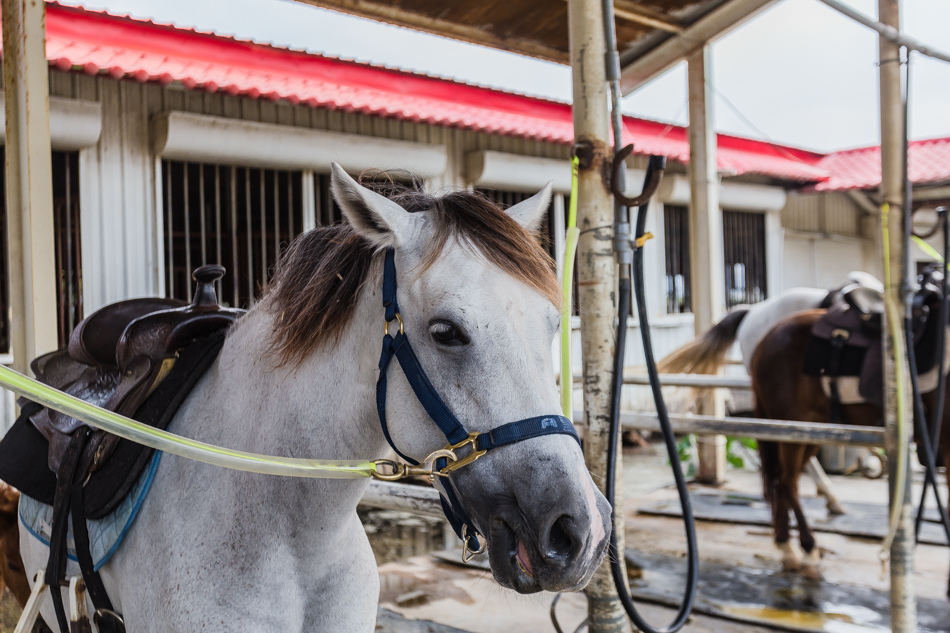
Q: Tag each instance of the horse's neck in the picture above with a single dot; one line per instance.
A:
(322, 409)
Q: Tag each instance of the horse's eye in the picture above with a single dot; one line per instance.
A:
(446, 333)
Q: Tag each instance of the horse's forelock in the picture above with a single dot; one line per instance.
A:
(318, 279)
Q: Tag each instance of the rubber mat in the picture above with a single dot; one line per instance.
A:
(866, 520)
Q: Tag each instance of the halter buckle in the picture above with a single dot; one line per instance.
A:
(386, 325)
(463, 461)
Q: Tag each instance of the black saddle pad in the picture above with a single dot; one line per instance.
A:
(818, 353)
(23, 450)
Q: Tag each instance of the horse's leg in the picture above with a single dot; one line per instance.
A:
(798, 457)
(773, 490)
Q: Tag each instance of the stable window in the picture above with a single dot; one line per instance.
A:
(743, 247)
(676, 249)
(506, 199)
(67, 249)
(240, 217)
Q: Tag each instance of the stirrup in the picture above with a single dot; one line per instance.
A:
(32, 609)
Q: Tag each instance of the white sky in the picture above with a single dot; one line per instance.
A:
(800, 73)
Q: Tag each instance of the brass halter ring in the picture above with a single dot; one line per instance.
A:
(386, 325)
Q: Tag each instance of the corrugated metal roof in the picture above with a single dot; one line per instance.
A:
(125, 47)
(928, 162)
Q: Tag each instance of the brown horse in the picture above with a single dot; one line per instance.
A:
(12, 573)
(783, 391)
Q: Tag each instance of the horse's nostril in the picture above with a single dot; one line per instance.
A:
(561, 539)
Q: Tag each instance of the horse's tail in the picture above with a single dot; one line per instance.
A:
(706, 354)
(771, 471)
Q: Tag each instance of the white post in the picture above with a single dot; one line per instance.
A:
(705, 243)
(29, 188)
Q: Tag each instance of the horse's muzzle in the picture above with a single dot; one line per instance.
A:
(561, 553)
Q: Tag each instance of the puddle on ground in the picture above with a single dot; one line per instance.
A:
(778, 599)
(829, 621)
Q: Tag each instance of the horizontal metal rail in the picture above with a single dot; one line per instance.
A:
(771, 430)
(698, 381)
(385, 495)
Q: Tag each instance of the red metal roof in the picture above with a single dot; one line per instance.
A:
(124, 47)
(928, 161)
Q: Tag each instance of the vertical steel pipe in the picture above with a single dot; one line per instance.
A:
(903, 599)
(596, 270)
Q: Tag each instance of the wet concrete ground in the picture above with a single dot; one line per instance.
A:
(850, 598)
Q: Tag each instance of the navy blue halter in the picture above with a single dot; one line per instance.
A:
(450, 426)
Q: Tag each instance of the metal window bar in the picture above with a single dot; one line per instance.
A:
(327, 211)
(676, 249)
(743, 237)
(506, 199)
(246, 218)
(67, 249)
(67, 243)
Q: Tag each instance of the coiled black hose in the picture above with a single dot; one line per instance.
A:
(623, 312)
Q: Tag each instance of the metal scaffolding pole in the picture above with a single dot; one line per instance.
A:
(597, 275)
(897, 410)
(29, 188)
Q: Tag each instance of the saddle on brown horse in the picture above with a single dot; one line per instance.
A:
(139, 358)
(846, 340)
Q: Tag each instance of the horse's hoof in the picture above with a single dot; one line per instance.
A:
(791, 559)
(811, 566)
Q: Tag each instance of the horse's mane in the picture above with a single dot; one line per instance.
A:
(317, 281)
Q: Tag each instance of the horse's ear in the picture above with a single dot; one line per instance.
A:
(375, 217)
(530, 213)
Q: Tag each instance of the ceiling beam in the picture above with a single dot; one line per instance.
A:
(383, 12)
(633, 12)
(668, 53)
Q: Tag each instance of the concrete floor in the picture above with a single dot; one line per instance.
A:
(468, 599)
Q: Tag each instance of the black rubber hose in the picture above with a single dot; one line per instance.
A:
(936, 418)
(623, 312)
(920, 422)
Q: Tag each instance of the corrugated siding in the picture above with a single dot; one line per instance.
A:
(826, 213)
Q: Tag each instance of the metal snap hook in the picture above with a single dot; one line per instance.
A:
(468, 554)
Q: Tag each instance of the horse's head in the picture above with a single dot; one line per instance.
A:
(479, 302)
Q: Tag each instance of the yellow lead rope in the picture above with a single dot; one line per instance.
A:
(903, 436)
(175, 444)
(567, 285)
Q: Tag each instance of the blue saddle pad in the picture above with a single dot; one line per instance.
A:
(105, 534)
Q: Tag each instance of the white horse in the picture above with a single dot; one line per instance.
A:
(748, 325)
(215, 549)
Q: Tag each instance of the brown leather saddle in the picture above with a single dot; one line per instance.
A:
(140, 358)
(118, 355)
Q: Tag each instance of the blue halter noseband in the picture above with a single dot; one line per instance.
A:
(447, 460)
